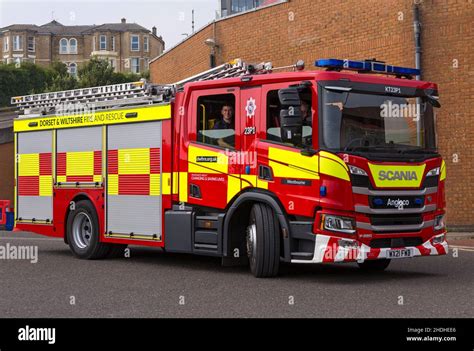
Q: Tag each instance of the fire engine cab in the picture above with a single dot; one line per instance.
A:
(240, 162)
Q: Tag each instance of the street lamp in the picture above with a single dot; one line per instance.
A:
(213, 45)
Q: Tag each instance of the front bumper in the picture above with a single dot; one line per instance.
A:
(332, 249)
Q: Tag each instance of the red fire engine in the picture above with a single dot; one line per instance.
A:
(239, 162)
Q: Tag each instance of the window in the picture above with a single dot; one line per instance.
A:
(6, 42)
(273, 118)
(63, 46)
(112, 64)
(17, 44)
(216, 120)
(113, 43)
(73, 46)
(135, 65)
(146, 63)
(102, 43)
(145, 44)
(73, 69)
(31, 43)
(135, 43)
(93, 43)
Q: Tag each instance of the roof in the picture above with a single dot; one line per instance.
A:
(20, 27)
(119, 27)
(320, 75)
(56, 28)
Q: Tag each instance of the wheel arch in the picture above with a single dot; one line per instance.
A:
(76, 198)
(240, 208)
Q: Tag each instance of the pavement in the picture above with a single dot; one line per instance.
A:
(152, 283)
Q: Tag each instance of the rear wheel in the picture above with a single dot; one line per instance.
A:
(263, 242)
(83, 232)
(374, 265)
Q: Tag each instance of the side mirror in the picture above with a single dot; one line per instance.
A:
(291, 121)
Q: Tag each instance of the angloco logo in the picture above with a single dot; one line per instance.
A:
(397, 203)
(397, 175)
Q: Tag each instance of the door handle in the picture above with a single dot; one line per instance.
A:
(195, 191)
(265, 172)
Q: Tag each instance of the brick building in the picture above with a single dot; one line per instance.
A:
(310, 29)
(127, 46)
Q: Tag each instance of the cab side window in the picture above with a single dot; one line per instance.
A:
(216, 120)
(273, 118)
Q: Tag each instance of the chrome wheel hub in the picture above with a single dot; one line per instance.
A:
(82, 230)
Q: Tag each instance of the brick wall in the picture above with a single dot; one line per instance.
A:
(309, 29)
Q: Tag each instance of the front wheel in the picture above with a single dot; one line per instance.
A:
(263, 242)
(374, 265)
(83, 232)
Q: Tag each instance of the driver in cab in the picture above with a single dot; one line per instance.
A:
(226, 122)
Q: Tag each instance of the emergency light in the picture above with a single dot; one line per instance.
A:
(367, 66)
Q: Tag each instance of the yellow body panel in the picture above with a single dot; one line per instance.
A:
(443, 171)
(28, 165)
(291, 164)
(112, 184)
(155, 185)
(392, 172)
(80, 163)
(195, 165)
(134, 161)
(46, 185)
(333, 168)
(183, 186)
(153, 113)
(233, 186)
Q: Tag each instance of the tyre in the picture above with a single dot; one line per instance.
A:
(374, 265)
(263, 242)
(83, 232)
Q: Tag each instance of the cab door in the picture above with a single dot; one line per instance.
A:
(213, 178)
(284, 169)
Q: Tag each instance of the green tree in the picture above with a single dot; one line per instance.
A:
(60, 78)
(95, 73)
(22, 79)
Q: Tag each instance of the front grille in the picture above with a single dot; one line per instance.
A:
(396, 219)
(395, 201)
(395, 242)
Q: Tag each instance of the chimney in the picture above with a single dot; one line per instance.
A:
(124, 20)
(153, 30)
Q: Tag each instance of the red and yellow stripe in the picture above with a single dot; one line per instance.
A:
(79, 166)
(134, 171)
(35, 174)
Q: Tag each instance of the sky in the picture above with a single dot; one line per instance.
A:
(172, 18)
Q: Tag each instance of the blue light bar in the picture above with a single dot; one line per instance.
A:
(367, 67)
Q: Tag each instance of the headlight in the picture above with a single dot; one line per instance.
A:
(433, 172)
(338, 224)
(357, 171)
(439, 222)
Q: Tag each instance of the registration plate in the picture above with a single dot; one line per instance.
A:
(400, 253)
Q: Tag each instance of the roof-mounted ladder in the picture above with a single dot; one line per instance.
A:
(124, 94)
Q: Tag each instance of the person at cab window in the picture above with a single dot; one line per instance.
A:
(306, 114)
(226, 122)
